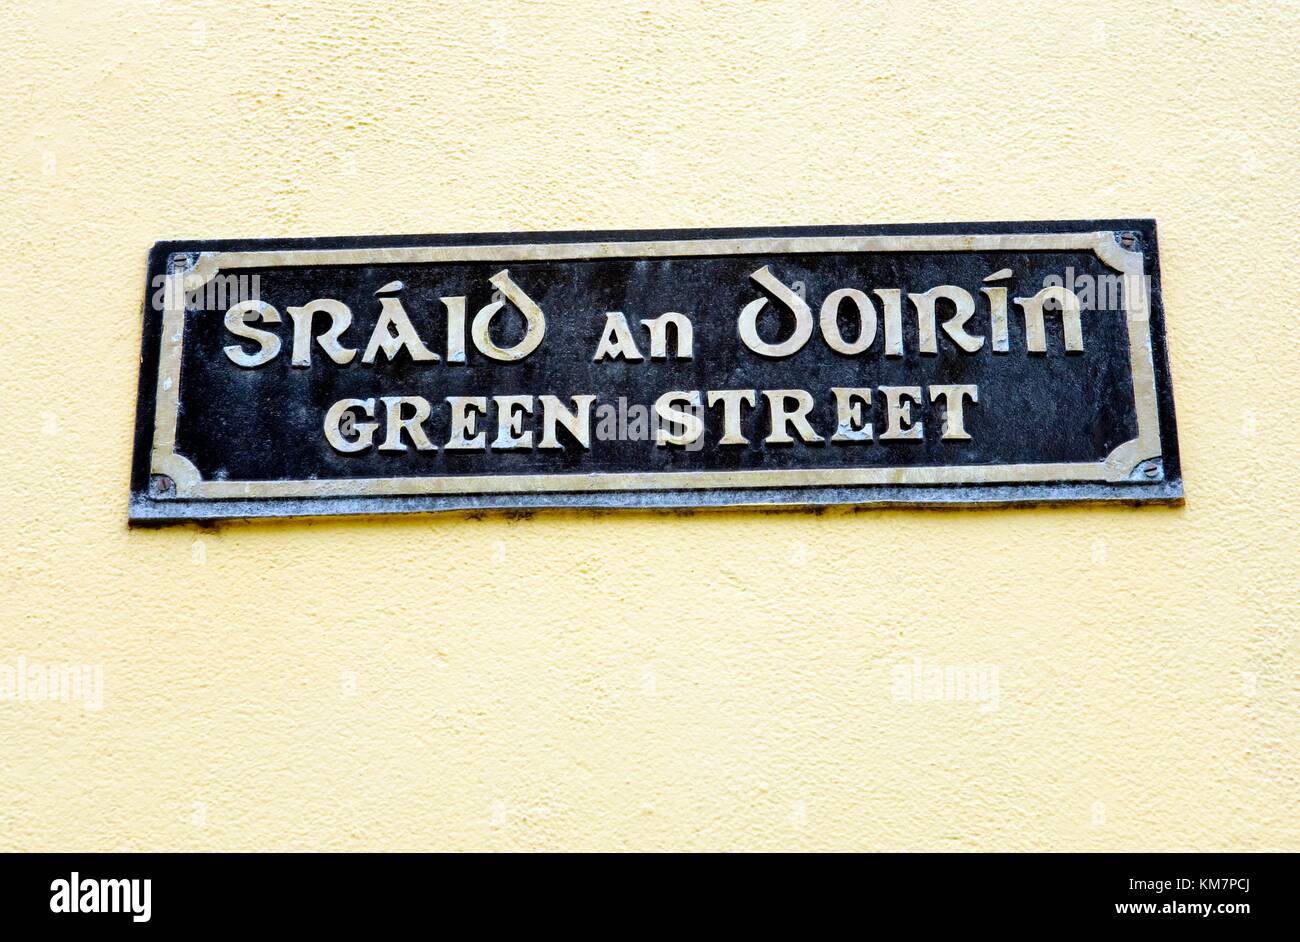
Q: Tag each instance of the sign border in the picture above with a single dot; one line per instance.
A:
(1135, 466)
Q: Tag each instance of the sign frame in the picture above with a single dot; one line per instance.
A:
(165, 486)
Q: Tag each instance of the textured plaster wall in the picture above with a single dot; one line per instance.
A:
(633, 680)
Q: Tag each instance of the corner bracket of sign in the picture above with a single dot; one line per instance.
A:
(177, 467)
(1126, 462)
(1111, 250)
(202, 269)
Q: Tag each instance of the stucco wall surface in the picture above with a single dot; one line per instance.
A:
(723, 680)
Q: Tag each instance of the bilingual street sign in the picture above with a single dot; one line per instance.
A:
(990, 363)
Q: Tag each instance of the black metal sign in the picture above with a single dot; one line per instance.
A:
(948, 364)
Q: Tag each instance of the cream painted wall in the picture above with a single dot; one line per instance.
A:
(639, 680)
